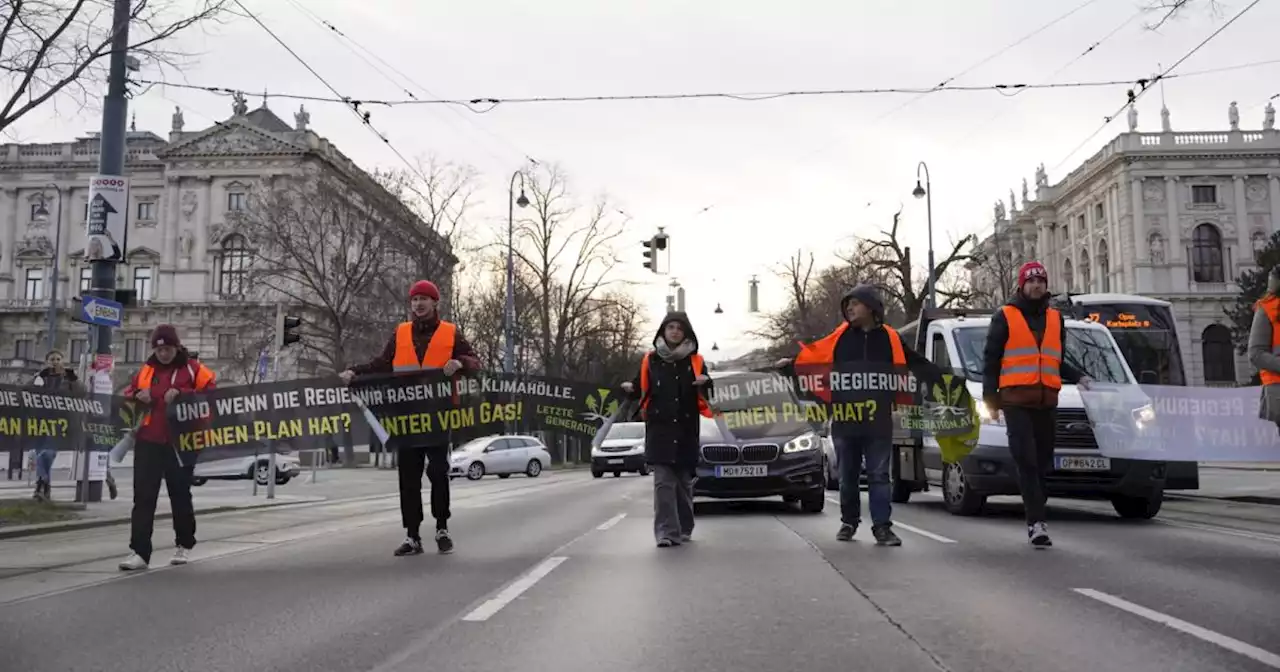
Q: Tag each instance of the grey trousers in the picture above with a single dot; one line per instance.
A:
(672, 502)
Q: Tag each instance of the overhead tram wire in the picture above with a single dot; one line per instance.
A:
(353, 105)
(365, 54)
(1146, 84)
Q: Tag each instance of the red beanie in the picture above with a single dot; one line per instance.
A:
(165, 334)
(425, 288)
(1032, 270)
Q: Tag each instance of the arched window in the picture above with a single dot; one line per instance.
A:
(1206, 254)
(1219, 354)
(1068, 277)
(1086, 272)
(233, 272)
(1104, 265)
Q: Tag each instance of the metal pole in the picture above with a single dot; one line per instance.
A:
(932, 296)
(509, 310)
(115, 112)
(53, 289)
(271, 455)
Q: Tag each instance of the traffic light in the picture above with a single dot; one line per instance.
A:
(654, 246)
(286, 326)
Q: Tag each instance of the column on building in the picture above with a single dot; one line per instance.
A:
(1141, 250)
(63, 223)
(1244, 249)
(9, 234)
(201, 247)
(1175, 250)
(171, 217)
(1115, 246)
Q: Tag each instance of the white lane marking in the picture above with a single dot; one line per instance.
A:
(909, 528)
(514, 590)
(1228, 643)
(611, 522)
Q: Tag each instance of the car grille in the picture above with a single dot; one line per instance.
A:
(720, 454)
(615, 449)
(760, 452)
(1074, 430)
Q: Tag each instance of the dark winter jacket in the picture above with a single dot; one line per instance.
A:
(66, 383)
(177, 374)
(423, 329)
(1036, 396)
(672, 422)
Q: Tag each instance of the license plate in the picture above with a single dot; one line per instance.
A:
(741, 470)
(1079, 463)
(615, 461)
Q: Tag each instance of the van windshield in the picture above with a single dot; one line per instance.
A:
(626, 430)
(1088, 350)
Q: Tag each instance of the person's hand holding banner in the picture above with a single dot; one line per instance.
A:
(451, 367)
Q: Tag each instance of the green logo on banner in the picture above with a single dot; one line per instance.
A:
(599, 406)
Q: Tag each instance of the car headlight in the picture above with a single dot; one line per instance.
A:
(802, 443)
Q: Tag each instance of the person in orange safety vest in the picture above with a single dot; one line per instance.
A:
(424, 342)
(1023, 372)
(1264, 347)
(673, 388)
(863, 339)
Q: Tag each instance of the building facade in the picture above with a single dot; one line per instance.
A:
(184, 258)
(1170, 215)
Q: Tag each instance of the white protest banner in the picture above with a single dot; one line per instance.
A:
(1174, 423)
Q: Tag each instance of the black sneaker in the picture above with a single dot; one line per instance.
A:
(410, 546)
(1038, 533)
(885, 536)
(444, 544)
(846, 532)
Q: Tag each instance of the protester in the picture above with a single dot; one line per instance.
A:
(55, 378)
(1264, 347)
(425, 342)
(672, 386)
(869, 343)
(1023, 372)
(169, 372)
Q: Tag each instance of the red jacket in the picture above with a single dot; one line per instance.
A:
(176, 374)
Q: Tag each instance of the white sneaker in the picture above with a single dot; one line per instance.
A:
(180, 556)
(133, 562)
(1038, 534)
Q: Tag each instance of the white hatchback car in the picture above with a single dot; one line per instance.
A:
(500, 455)
(249, 466)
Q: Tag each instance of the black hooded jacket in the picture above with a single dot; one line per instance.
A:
(672, 422)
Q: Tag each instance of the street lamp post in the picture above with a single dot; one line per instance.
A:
(42, 214)
(509, 312)
(926, 191)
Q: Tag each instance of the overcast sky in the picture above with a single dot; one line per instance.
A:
(778, 175)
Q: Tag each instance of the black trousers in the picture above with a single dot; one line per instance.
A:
(153, 462)
(410, 462)
(1031, 440)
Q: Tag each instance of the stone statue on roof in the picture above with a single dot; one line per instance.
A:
(239, 106)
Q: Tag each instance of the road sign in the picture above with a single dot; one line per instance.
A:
(102, 312)
(108, 217)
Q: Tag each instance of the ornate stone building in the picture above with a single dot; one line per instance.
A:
(1170, 215)
(186, 264)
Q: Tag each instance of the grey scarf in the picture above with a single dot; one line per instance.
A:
(669, 354)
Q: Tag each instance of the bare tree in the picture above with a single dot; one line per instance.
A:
(52, 47)
(992, 273)
(1168, 10)
(567, 251)
(319, 243)
(888, 255)
(245, 365)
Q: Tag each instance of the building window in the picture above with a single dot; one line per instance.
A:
(78, 347)
(86, 279)
(1104, 265)
(142, 282)
(147, 210)
(34, 207)
(1099, 212)
(234, 269)
(1068, 276)
(133, 350)
(1204, 194)
(1206, 254)
(1086, 272)
(1219, 355)
(226, 346)
(22, 349)
(35, 284)
(235, 201)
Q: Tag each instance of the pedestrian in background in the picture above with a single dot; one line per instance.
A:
(1264, 347)
(672, 387)
(424, 342)
(168, 373)
(57, 379)
(1023, 371)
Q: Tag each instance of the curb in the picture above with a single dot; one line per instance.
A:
(73, 525)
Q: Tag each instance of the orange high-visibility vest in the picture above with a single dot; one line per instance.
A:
(704, 409)
(1025, 363)
(1271, 305)
(439, 350)
(822, 353)
(201, 374)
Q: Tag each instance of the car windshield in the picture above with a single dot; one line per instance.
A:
(1088, 350)
(756, 405)
(471, 445)
(626, 430)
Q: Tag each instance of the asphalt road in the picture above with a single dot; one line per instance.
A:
(565, 576)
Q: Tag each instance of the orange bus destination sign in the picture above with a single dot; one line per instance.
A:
(1122, 321)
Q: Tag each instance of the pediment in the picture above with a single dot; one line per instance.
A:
(232, 139)
(143, 252)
